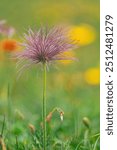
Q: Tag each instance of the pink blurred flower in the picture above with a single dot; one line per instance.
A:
(5, 29)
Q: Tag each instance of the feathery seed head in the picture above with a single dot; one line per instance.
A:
(45, 46)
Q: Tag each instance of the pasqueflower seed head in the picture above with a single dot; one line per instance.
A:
(45, 46)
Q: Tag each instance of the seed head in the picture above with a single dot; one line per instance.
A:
(86, 122)
(32, 128)
(45, 46)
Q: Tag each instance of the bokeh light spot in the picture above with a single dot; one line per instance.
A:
(92, 76)
(83, 34)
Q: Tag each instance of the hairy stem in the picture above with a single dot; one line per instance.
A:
(44, 106)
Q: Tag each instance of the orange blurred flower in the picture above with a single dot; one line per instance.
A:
(9, 45)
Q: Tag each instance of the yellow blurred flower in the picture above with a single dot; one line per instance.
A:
(9, 45)
(92, 76)
(67, 54)
(83, 34)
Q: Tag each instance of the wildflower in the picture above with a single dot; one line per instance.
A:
(9, 45)
(5, 29)
(92, 76)
(32, 128)
(45, 46)
(61, 115)
(60, 111)
(56, 109)
(84, 34)
(49, 116)
(86, 122)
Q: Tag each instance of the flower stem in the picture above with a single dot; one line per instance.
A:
(44, 106)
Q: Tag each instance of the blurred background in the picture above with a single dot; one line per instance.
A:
(72, 86)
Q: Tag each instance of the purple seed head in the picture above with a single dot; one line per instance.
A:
(45, 46)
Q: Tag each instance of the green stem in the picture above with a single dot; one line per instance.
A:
(9, 103)
(3, 127)
(44, 106)
(17, 145)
